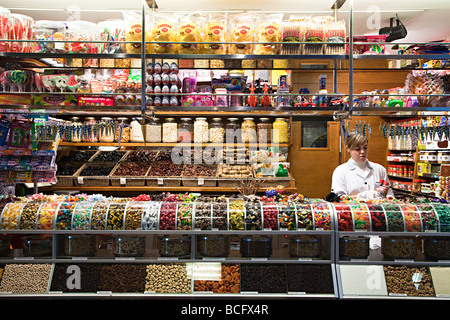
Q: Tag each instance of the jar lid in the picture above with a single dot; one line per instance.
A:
(248, 119)
(75, 119)
(90, 118)
(232, 119)
(186, 119)
(282, 119)
(106, 118)
(170, 119)
(200, 118)
(216, 119)
(155, 119)
(264, 119)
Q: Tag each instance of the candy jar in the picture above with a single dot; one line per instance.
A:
(90, 130)
(169, 130)
(216, 130)
(201, 130)
(123, 130)
(248, 130)
(186, 130)
(280, 131)
(153, 130)
(231, 130)
(264, 130)
(106, 131)
(136, 134)
(5, 20)
(76, 129)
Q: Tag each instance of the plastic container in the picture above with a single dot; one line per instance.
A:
(287, 215)
(49, 30)
(128, 246)
(248, 130)
(64, 216)
(36, 246)
(399, 247)
(305, 246)
(115, 218)
(123, 130)
(231, 130)
(5, 17)
(264, 130)
(201, 130)
(253, 215)
(20, 29)
(216, 130)
(81, 217)
(153, 131)
(136, 134)
(172, 246)
(11, 216)
(353, 248)
(280, 131)
(186, 130)
(80, 245)
(46, 216)
(99, 215)
(169, 130)
(256, 246)
(107, 128)
(84, 31)
(213, 245)
(437, 248)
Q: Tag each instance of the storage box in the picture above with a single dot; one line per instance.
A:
(127, 181)
(92, 181)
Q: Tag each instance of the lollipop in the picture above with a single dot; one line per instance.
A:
(48, 83)
(38, 82)
(60, 82)
(72, 83)
(17, 78)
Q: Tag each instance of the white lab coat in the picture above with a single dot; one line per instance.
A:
(347, 180)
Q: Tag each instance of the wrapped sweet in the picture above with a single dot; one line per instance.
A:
(268, 30)
(164, 30)
(134, 34)
(242, 30)
(20, 29)
(190, 30)
(215, 30)
(4, 28)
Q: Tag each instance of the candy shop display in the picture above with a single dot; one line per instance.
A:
(399, 247)
(174, 246)
(256, 246)
(64, 216)
(213, 245)
(49, 30)
(10, 216)
(305, 247)
(253, 215)
(268, 29)
(353, 248)
(80, 245)
(361, 217)
(46, 216)
(29, 214)
(322, 216)
(21, 28)
(128, 246)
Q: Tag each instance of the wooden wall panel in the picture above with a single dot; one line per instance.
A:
(313, 168)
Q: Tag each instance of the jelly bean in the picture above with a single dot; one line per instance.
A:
(304, 217)
(286, 216)
(377, 217)
(47, 215)
(184, 216)
(361, 217)
(443, 212)
(64, 215)
(322, 216)
(428, 216)
(11, 214)
(394, 217)
(412, 218)
(82, 216)
(344, 215)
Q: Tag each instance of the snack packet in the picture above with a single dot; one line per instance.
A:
(268, 30)
(190, 30)
(215, 30)
(242, 30)
(164, 29)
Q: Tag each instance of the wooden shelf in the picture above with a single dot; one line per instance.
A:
(153, 189)
(167, 144)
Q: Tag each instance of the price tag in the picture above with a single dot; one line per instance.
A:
(160, 181)
(80, 180)
(201, 181)
(123, 181)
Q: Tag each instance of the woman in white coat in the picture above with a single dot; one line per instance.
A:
(359, 177)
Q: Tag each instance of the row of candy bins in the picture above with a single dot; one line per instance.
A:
(393, 217)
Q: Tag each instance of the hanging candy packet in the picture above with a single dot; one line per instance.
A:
(5, 124)
(189, 31)
(19, 135)
(242, 30)
(164, 29)
(215, 30)
(268, 30)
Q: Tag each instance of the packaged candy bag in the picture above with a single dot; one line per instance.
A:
(268, 30)
(4, 28)
(291, 35)
(5, 124)
(215, 30)
(20, 29)
(133, 33)
(19, 135)
(335, 32)
(190, 30)
(242, 30)
(164, 29)
(314, 32)
(111, 31)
